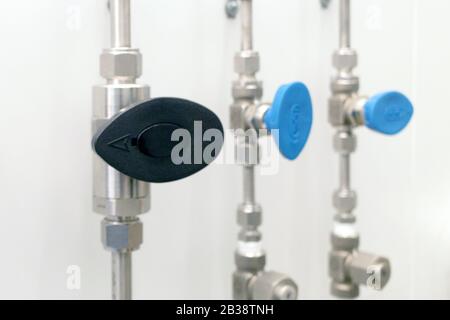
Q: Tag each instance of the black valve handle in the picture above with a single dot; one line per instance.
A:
(138, 141)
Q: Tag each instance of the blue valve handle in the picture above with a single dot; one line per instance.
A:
(388, 112)
(290, 119)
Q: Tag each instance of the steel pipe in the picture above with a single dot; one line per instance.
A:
(247, 25)
(344, 24)
(121, 275)
(344, 171)
(120, 23)
(249, 184)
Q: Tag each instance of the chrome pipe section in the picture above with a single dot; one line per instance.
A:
(249, 184)
(120, 23)
(247, 25)
(344, 24)
(344, 172)
(121, 275)
(118, 197)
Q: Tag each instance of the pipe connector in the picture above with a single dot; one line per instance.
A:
(350, 268)
(345, 200)
(345, 82)
(272, 285)
(250, 257)
(267, 285)
(249, 215)
(345, 59)
(122, 235)
(247, 63)
(344, 142)
(346, 110)
(123, 64)
(247, 90)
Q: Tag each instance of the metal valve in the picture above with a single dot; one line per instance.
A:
(139, 141)
(388, 113)
(289, 120)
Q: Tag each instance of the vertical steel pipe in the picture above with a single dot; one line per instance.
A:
(120, 23)
(247, 25)
(344, 24)
(121, 275)
(249, 184)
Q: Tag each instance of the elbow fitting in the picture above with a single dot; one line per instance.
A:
(351, 269)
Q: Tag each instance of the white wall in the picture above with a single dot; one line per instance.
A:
(49, 62)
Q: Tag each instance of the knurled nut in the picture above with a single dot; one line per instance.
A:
(345, 290)
(252, 90)
(344, 244)
(348, 85)
(249, 235)
(251, 264)
(345, 218)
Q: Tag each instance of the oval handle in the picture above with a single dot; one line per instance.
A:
(388, 112)
(290, 119)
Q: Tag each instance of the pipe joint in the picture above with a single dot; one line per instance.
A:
(267, 285)
(351, 269)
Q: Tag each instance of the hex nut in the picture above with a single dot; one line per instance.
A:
(121, 63)
(344, 142)
(344, 200)
(246, 62)
(121, 236)
(249, 215)
(345, 59)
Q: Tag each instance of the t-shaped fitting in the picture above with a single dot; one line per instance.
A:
(350, 268)
(288, 118)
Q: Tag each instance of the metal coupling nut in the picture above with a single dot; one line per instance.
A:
(345, 59)
(119, 63)
(344, 142)
(246, 63)
(122, 235)
(347, 243)
(249, 215)
(254, 263)
(248, 89)
(344, 200)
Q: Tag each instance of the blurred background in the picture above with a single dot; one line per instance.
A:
(49, 61)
